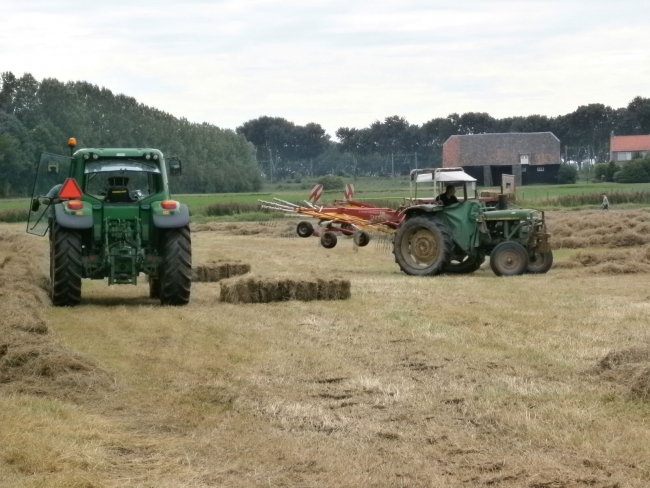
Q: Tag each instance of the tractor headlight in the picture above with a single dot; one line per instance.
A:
(86, 156)
(155, 157)
(95, 156)
(147, 156)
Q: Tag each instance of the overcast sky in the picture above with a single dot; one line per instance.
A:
(338, 63)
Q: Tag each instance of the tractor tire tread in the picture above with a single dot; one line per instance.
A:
(176, 278)
(66, 267)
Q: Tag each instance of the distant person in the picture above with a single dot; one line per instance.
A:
(605, 205)
(448, 197)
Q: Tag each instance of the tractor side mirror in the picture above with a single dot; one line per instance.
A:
(53, 168)
(174, 165)
(35, 205)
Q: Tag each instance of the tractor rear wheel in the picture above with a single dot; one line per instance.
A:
(540, 262)
(422, 246)
(176, 276)
(65, 266)
(509, 259)
(465, 265)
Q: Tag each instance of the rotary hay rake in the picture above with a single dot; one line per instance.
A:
(359, 220)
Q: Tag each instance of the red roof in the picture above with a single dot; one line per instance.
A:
(630, 143)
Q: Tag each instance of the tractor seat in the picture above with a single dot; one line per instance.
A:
(118, 194)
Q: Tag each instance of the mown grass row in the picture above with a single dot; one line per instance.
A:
(585, 199)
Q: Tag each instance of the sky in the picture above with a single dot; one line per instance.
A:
(338, 63)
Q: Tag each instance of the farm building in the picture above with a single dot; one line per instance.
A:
(532, 157)
(626, 148)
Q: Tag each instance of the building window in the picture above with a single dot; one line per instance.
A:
(523, 169)
(623, 156)
(524, 159)
(541, 168)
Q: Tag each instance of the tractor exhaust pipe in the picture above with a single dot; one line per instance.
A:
(503, 202)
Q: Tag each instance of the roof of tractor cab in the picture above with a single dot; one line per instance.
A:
(118, 152)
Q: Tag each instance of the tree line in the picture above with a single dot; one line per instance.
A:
(395, 146)
(41, 116)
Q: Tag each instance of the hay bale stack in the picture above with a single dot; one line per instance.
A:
(219, 270)
(255, 290)
(628, 369)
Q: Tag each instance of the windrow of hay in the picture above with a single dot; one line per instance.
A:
(218, 270)
(630, 369)
(628, 261)
(255, 290)
(271, 228)
(31, 360)
(597, 228)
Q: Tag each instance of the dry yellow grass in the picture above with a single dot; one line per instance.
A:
(448, 381)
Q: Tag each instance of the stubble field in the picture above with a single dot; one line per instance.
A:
(537, 381)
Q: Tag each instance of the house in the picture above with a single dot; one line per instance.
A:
(532, 157)
(626, 148)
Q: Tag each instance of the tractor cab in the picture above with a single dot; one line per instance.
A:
(440, 179)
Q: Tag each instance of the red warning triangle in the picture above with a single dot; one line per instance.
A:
(70, 190)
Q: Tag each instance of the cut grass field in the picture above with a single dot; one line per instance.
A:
(449, 381)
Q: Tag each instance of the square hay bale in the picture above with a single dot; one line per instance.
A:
(218, 270)
(256, 290)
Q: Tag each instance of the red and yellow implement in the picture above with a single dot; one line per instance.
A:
(347, 218)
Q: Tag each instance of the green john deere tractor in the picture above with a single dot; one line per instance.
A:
(434, 238)
(110, 215)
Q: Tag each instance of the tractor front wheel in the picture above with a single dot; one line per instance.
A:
(422, 246)
(176, 276)
(540, 262)
(65, 266)
(509, 259)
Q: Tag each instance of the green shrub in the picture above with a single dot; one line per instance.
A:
(331, 182)
(635, 171)
(567, 174)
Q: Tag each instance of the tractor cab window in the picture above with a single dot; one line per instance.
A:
(121, 182)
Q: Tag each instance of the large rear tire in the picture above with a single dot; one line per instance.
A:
(422, 246)
(176, 276)
(540, 262)
(509, 259)
(65, 266)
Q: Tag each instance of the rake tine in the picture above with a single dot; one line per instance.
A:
(287, 203)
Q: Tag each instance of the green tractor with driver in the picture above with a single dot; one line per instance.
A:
(434, 238)
(110, 215)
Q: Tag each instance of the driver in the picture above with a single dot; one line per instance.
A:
(448, 197)
(117, 190)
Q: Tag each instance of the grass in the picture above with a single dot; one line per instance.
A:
(379, 191)
(449, 381)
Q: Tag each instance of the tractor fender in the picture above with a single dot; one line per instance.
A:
(72, 220)
(173, 219)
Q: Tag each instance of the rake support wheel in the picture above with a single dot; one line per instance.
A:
(328, 240)
(304, 229)
(361, 238)
(176, 277)
(65, 266)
